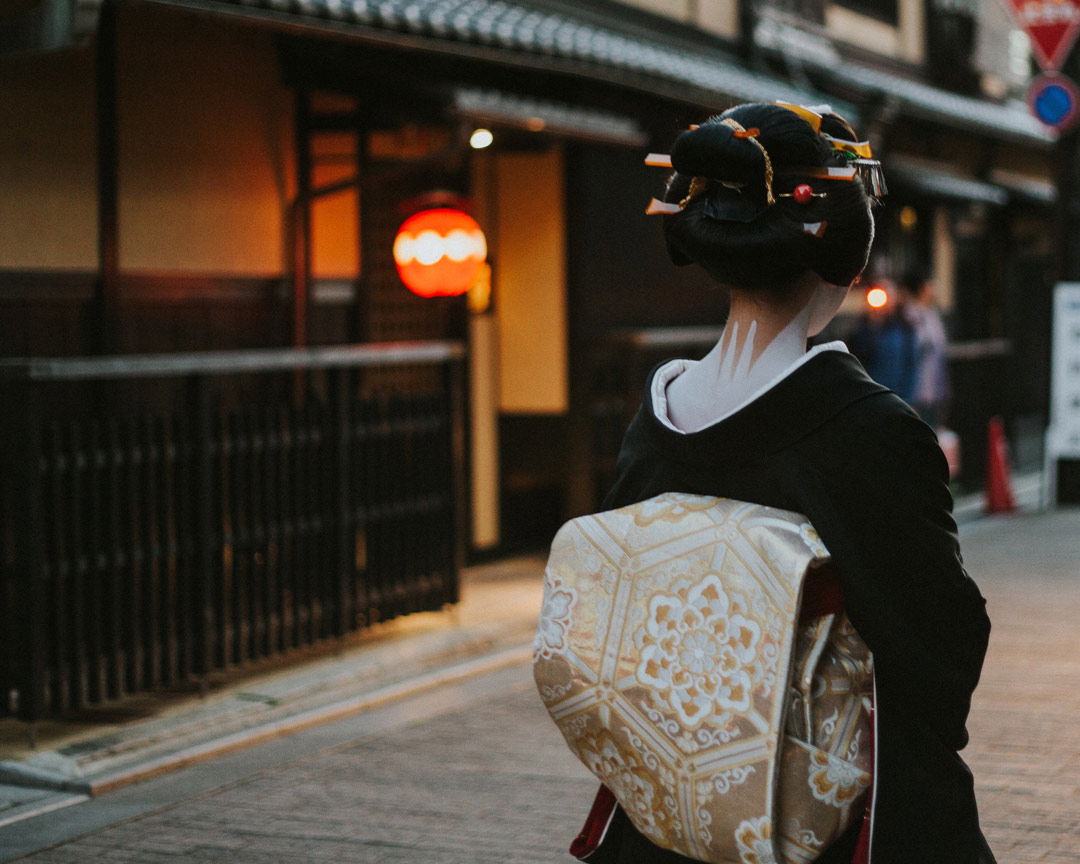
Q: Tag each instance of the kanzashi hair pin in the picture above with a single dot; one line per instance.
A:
(803, 193)
(657, 207)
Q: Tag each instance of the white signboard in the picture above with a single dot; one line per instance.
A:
(1063, 436)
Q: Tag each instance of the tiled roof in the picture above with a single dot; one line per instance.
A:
(607, 48)
(941, 181)
(816, 52)
(510, 109)
(572, 42)
(1008, 120)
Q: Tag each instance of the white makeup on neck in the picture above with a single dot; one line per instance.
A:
(739, 366)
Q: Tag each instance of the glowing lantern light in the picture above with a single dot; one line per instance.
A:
(480, 139)
(439, 253)
(877, 298)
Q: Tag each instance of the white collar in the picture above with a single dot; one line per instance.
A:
(673, 369)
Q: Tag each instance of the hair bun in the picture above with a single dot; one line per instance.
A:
(713, 150)
(716, 150)
(758, 243)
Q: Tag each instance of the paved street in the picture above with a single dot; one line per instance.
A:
(1025, 739)
(475, 773)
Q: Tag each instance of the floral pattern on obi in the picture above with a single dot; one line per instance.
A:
(697, 654)
(632, 783)
(835, 781)
(559, 602)
(753, 838)
(669, 507)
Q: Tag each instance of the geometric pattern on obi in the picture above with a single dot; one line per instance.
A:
(671, 655)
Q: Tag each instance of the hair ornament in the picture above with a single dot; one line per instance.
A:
(697, 186)
(656, 206)
(803, 193)
(856, 149)
(873, 178)
(808, 114)
(828, 172)
(658, 160)
(815, 229)
(751, 136)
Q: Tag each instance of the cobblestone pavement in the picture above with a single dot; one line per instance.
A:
(492, 781)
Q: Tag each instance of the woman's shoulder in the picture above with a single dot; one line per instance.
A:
(873, 428)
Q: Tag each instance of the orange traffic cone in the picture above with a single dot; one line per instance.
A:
(999, 494)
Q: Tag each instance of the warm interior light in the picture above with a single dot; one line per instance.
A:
(877, 298)
(535, 124)
(909, 218)
(480, 139)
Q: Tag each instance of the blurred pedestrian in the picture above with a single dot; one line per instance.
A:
(932, 373)
(886, 343)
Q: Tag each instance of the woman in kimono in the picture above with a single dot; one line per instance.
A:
(765, 199)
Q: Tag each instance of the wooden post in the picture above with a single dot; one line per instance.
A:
(301, 230)
(102, 338)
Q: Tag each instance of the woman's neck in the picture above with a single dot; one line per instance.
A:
(758, 338)
(760, 341)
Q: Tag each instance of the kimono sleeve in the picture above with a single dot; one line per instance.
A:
(891, 533)
(886, 519)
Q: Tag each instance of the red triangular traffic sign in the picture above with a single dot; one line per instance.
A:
(1053, 26)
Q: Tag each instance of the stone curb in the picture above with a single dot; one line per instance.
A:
(25, 774)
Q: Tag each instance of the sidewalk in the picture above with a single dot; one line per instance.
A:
(1025, 738)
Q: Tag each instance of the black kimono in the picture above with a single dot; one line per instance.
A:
(830, 443)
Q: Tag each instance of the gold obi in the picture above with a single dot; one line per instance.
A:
(670, 654)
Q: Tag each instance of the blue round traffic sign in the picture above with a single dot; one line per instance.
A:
(1055, 100)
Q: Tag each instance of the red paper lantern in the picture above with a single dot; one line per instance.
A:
(439, 253)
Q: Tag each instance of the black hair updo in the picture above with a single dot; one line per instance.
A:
(729, 228)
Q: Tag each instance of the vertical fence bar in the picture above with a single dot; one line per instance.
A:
(57, 567)
(96, 561)
(133, 514)
(455, 476)
(149, 483)
(28, 636)
(76, 489)
(185, 515)
(172, 549)
(201, 570)
(338, 510)
(260, 609)
(287, 514)
(361, 507)
(268, 469)
(113, 572)
(245, 584)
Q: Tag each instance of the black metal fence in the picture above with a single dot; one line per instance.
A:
(167, 516)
